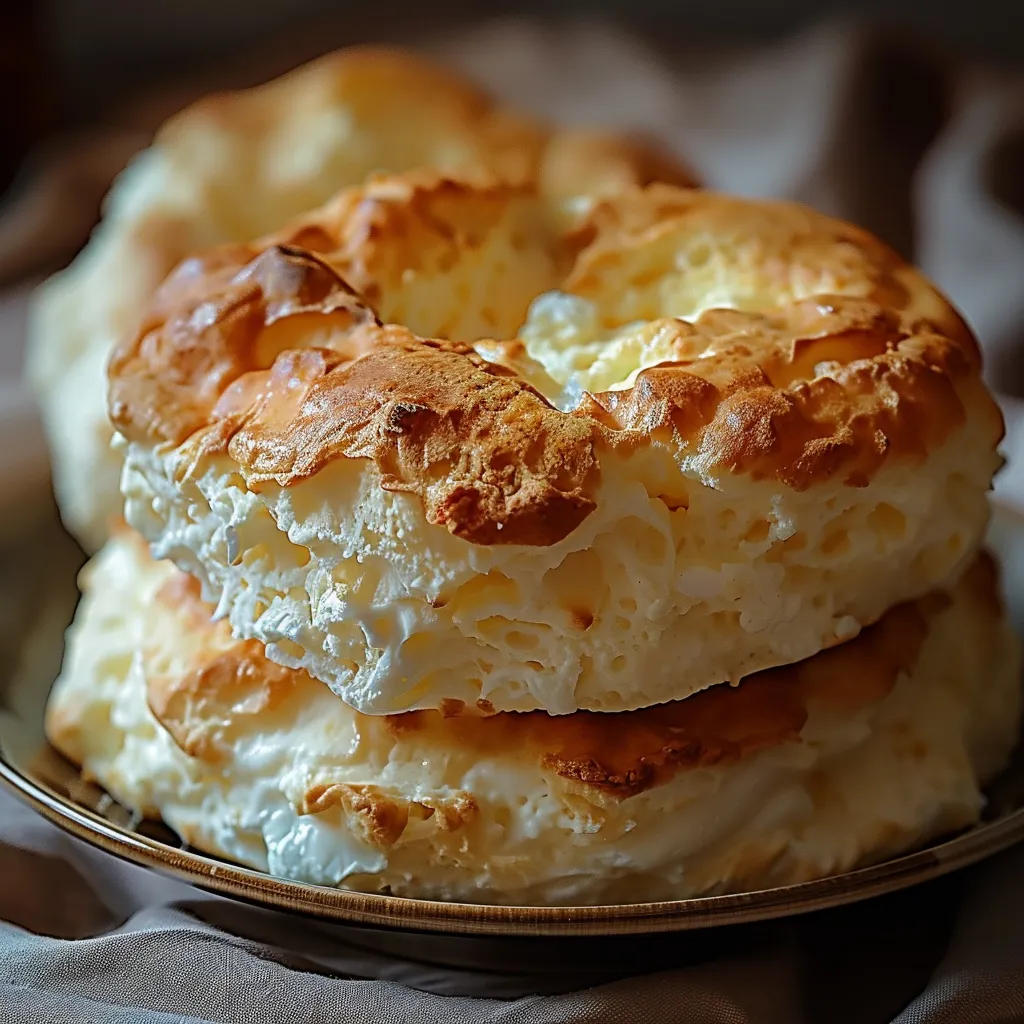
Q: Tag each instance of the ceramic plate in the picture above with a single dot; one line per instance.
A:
(37, 598)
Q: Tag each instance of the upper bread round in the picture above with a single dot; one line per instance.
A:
(436, 443)
(237, 165)
(851, 756)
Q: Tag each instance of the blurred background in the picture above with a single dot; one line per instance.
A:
(99, 46)
(65, 63)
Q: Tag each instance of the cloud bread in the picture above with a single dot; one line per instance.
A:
(430, 444)
(237, 165)
(856, 754)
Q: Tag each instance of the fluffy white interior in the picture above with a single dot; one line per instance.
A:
(676, 581)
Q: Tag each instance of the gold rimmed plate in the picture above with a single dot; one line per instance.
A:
(37, 598)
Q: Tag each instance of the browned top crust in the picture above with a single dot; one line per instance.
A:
(490, 459)
(345, 336)
(206, 688)
(744, 389)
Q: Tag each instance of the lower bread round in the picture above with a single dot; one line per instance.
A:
(863, 751)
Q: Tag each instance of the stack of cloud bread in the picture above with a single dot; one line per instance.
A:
(488, 544)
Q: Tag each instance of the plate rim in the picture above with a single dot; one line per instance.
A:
(377, 910)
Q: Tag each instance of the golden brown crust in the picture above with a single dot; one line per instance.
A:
(422, 225)
(210, 680)
(490, 459)
(233, 310)
(214, 685)
(379, 817)
(743, 389)
(786, 248)
(742, 392)
(198, 342)
(840, 357)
